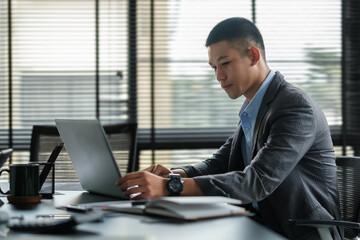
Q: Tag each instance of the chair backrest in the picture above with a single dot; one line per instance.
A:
(348, 173)
(122, 139)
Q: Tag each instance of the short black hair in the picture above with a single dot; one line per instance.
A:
(236, 29)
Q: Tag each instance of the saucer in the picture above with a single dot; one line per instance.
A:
(24, 199)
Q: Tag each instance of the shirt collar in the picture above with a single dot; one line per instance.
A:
(252, 107)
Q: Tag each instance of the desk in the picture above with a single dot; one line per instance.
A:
(125, 226)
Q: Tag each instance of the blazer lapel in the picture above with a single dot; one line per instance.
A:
(236, 161)
(267, 99)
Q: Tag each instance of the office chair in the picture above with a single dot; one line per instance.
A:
(348, 174)
(121, 137)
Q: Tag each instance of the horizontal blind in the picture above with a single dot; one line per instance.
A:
(54, 56)
(4, 80)
(187, 94)
(302, 40)
(113, 61)
(54, 63)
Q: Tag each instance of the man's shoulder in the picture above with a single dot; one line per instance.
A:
(288, 92)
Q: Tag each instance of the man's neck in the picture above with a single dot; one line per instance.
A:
(263, 72)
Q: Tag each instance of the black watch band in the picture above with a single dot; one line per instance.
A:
(175, 184)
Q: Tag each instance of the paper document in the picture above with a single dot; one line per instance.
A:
(186, 208)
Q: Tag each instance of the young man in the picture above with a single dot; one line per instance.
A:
(280, 159)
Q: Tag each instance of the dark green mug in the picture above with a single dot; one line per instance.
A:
(24, 180)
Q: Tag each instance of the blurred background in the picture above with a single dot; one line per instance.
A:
(145, 61)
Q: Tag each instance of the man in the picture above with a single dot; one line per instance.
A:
(280, 159)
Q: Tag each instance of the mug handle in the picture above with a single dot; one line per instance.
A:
(1, 191)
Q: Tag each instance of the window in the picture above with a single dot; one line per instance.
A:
(4, 85)
(63, 59)
(145, 60)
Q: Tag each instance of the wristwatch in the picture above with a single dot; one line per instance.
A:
(174, 184)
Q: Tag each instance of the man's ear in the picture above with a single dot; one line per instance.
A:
(255, 55)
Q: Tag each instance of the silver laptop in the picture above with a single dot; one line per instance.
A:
(91, 156)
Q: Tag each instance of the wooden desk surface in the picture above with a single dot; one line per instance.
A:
(124, 226)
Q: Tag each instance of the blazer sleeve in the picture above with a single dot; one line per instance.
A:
(216, 164)
(287, 132)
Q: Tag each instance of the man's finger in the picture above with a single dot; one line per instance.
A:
(128, 177)
(154, 169)
(150, 169)
(129, 184)
(135, 190)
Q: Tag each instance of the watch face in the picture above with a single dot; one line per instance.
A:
(175, 185)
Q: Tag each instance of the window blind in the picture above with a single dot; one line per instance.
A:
(69, 59)
(186, 92)
(145, 60)
(303, 40)
(4, 86)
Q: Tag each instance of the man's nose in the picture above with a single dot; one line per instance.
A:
(220, 75)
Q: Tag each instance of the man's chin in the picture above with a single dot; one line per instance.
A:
(232, 96)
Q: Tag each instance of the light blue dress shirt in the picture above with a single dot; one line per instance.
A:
(248, 116)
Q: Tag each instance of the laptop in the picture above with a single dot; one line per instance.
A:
(91, 156)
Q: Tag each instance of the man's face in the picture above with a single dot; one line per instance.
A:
(234, 72)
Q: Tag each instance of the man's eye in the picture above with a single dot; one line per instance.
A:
(225, 63)
(213, 68)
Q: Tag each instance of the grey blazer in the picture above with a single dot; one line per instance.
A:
(292, 174)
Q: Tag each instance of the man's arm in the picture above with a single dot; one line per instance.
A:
(286, 135)
(216, 164)
(150, 185)
(180, 171)
(151, 182)
(162, 171)
(191, 188)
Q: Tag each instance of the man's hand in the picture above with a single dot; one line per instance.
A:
(143, 184)
(162, 171)
(159, 170)
(151, 183)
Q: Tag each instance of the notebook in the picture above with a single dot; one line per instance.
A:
(91, 156)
